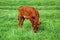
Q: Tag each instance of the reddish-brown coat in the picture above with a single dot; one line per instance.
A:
(28, 13)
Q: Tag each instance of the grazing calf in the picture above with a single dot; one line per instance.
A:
(28, 13)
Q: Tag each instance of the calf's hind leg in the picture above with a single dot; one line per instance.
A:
(20, 21)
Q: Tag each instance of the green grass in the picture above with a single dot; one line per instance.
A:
(48, 30)
(30, 2)
(49, 11)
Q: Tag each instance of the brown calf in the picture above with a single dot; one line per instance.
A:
(28, 13)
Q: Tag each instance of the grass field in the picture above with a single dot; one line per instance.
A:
(49, 11)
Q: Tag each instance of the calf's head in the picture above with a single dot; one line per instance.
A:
(36, 25)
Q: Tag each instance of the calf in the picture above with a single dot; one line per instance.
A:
(28, 13)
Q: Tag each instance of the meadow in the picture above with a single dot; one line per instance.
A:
(49, 11)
